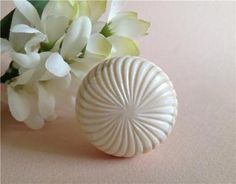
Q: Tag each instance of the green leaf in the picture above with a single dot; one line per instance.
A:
(5, 23)
(39, 5)
(10, 73)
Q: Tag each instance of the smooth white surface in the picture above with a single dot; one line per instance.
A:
(194, 43)
(126, 106)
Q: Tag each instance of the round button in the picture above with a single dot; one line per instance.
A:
(126, 106)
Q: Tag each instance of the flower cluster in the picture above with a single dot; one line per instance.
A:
(61, 44)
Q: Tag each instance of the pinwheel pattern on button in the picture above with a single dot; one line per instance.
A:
(126, 106)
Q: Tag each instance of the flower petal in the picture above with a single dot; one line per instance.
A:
(124, 15)
(33, 44)
(115, 6)
(76, 37)
(47, 76)
(28, 10)
(19, 18)
(72, 2)
(39, 70)
(54, 27)
(24, 78)
(83, 66)
(123, 46)
(97, 27)
(60, 83)
(56, 65)
(34, 121)
(5, 45)
(97, 8)
(57, 44)
(58, 8)
(98, 46)
(46, 102)
(84, 8)
(23, 28)
(129, 27)
(18, 40)
(18, 103)
(29, 60)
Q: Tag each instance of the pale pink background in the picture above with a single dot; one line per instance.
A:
(194, 43)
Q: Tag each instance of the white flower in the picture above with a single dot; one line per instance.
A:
(24, 106)
(66, 41)
(24, 41)
(73, 42)
(76, 39)
(31, 95)
(127, 24)
(74, 8)
(120, 30)
(42, 73)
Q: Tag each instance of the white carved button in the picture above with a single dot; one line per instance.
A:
(126, 106)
